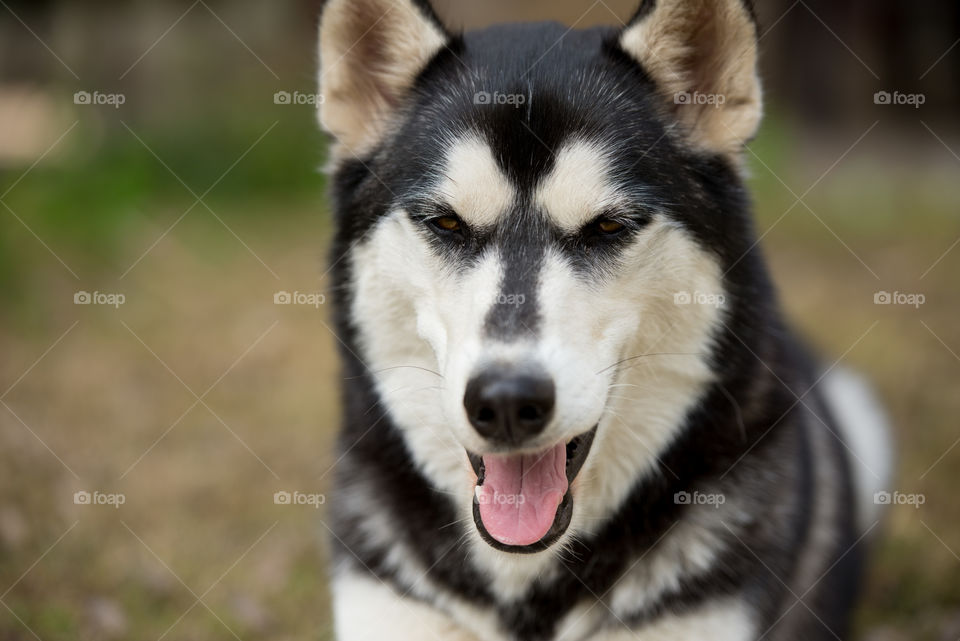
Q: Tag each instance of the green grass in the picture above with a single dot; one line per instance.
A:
(87, 202)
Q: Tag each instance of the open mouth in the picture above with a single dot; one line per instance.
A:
(522, 502)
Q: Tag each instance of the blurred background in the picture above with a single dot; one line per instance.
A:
(160, 185)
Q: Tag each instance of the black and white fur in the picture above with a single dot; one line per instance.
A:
(684, 397)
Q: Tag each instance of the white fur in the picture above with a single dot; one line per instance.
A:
(642, 413)
(578, 188)
(729, 620)
(865, 429)
(367, 610)
(582, 622)
(473, 183)
(410, 573)
(690, 549)
(407, 305)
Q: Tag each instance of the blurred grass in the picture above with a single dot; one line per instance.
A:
(200, 303)
(107, 184)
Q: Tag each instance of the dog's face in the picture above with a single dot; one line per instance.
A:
(533, 221)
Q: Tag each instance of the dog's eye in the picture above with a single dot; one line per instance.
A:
(447, 224)
(608, 226)
(605, 227)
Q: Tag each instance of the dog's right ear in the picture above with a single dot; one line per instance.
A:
(371, 52)
(703, 56)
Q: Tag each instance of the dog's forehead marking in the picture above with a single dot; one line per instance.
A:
(579, 187)
(473, 183)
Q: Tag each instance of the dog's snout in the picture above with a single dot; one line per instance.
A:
(509, 407)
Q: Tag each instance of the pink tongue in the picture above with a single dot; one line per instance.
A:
(520, 494)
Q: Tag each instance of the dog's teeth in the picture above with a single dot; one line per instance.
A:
(476, 492)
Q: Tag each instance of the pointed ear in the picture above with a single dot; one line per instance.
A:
(703, 56)
(371, 51)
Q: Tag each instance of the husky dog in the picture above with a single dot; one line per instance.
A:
(572, 407)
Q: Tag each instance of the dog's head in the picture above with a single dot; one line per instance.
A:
(537, 227)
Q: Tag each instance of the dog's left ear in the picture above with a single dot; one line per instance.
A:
(702, 54)
(371, 52)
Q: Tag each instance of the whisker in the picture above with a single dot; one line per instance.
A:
(422, 369)
(624, 398)
(457, 522)
(387, 369)
(639, 356)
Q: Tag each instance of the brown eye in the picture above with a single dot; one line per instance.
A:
(608, 226)
(447, 223)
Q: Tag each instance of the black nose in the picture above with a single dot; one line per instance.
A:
(509, 407)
